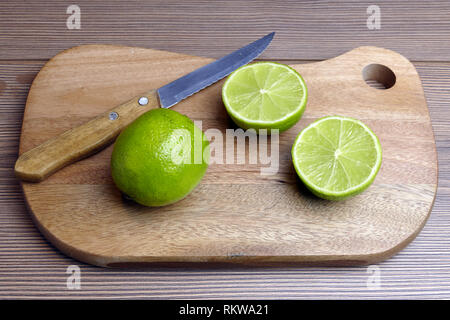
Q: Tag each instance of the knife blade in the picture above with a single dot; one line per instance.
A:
(40, 162)
(183, 87)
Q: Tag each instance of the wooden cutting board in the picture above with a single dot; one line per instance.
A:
(236, 215)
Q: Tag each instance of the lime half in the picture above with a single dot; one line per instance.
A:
(265, 95)
(336, 157)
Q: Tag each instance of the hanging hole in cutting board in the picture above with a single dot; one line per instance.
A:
(378, 76)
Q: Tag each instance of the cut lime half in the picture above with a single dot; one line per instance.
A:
(265, 95)
(336, 157)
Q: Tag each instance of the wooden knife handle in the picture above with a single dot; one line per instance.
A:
(37, 164)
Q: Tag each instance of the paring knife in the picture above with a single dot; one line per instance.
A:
(37, 164)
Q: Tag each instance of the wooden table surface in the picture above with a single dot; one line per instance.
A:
(31, 33)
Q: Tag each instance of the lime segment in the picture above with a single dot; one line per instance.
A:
(265, 95)
(337, 157)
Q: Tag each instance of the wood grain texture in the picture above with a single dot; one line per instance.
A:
(236, 215)
(305, 29)
(31, 268)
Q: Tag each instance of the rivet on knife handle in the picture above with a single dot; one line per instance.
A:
(38, 163)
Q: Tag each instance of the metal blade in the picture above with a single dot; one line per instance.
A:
(189, 84)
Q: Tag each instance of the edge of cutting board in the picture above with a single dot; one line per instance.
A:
(230, 259)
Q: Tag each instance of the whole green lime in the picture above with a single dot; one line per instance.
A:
(159, 158)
